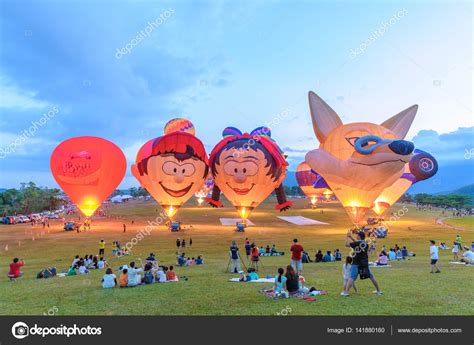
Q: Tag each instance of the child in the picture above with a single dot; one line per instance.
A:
(82, 268)
(199, 260)
(123, 280)
(280, 284)
(114, 248)
(455, 251)
(171, 275)
(346, 272)
(109, 280)
(101, 263)
(148, 276)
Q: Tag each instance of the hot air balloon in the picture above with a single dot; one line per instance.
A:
(247, 168)
(201, 194)
(359, 160)
(421, 167)
(88, 169)
(306, 178)
(172, 167)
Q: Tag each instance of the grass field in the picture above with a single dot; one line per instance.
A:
(464, 222)
(409, 288)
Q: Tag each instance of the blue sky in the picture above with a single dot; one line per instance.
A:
(238, 63)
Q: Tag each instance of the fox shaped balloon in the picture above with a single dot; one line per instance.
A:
(358, 160)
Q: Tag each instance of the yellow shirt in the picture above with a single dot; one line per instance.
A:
(102, 245)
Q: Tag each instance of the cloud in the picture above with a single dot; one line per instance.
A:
(447, 148)
(13, 97)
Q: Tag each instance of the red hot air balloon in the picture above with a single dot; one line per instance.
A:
(306, 179)
(88, 169)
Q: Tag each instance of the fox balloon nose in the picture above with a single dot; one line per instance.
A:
(402, 147)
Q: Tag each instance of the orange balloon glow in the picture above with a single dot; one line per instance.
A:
(88, 169)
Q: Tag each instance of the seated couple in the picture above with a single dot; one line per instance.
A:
(292, 284)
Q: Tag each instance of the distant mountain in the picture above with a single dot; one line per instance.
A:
(466, 190)
(2, 190)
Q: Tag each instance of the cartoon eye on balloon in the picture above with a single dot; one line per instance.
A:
(172, 167)
(88, 169)
(247, 168)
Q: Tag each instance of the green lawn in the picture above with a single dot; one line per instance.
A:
(466, 222)
(408, 286)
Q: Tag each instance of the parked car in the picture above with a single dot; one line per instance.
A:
(23, 219)
(53, 216)
(71, 226)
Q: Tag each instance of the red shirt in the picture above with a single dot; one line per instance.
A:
(296, 250)
(254, 251)
(170, 275)
(15, 269)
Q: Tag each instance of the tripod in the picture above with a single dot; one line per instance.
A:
(241, 260)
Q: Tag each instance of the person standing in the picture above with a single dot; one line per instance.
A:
(458, 242)
(296, 250)
(248, 248)
(183, 245)
(124, 227)
(360, 263)
(101, 247)
(434, 257)
(190, 242)
(178, 245)
(254, 256)
(234, 258)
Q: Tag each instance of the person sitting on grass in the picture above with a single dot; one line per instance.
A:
(75, 260)
(101, 263)
(337, 255)
(182, 260)
(273, 250)
(261, 251)
(328, 257)
(160, 275)
(382, 259)
(123, 280)
(72, 271)
(109, 280)
(134, 277)
(279, 289)
(15, 269)
(151, 258)
(148, 276)
(292, 280)
(251, 275)
(318, 257)
(171, 275)
(404, 252)
(468, 256)
(82, 268)
(392, 255)
(199, 260)
(399, 254)
(189, 262)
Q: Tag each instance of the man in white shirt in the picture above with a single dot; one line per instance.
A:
(434, 257)
(160, 275)
(134, 277)
(468, 256)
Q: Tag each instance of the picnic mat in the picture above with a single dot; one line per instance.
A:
(300, 220)
(460, 263)
(261, 280)
(234, 221)
(372, 265)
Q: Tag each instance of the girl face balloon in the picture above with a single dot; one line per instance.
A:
(359, 160)
(247, 168)
(171, 168)
(88, 169)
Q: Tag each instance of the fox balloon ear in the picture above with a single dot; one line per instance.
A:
(401, 123)
(324, 118)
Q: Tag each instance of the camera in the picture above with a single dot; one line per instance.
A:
(21, 331)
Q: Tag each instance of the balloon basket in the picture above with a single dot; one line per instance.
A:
(175, 226)
(240, 227)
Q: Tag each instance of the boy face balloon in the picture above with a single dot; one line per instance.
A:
(247, 167)
(171, 168)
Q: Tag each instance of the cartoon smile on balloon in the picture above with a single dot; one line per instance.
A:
(359, 160)
(172, 167)
(247, 168)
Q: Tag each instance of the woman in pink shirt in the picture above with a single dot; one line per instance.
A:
(383, 259)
